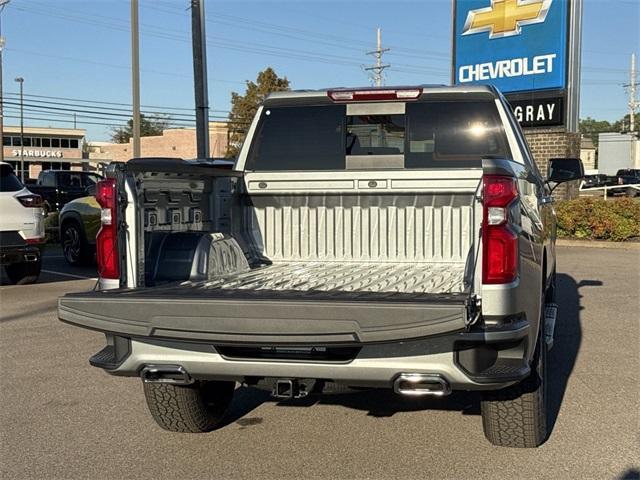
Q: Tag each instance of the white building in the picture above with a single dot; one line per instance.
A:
(617, 151)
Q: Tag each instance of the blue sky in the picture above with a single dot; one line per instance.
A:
(80, 50)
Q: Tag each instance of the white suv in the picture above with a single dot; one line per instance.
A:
(21, 228)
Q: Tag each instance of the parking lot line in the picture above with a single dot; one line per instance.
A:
(71, 275)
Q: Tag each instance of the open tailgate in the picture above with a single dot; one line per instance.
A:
(241, 316)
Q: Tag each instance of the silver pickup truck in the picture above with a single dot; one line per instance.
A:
(393, 238)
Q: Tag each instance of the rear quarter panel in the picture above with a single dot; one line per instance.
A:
(87, 211)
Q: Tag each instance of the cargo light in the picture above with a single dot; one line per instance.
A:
(499, 240)
(374, 95)
(107, 239)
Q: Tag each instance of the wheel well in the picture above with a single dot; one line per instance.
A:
(72, 219)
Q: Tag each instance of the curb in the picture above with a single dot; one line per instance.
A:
(598, 244)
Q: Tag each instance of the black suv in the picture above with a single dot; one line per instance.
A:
(629, 176)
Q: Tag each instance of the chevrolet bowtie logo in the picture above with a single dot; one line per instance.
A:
(505, 17)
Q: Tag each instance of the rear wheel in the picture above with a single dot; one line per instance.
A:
(517, 416)
(75, 249)
(24, 273)
(631, 192)
(192, 409)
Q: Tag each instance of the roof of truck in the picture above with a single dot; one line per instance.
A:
(426, 89)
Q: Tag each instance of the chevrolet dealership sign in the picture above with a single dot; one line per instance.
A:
(524, 48)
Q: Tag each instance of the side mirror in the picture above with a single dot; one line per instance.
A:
(91, 190)
(565, 170)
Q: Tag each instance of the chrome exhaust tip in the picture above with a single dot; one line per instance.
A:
(417, 384)
(30, 257)
(173, 374)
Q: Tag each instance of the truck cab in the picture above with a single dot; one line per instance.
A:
(59, 187)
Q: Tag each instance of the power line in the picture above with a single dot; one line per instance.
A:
(110, 111)
(112, 65)
(80, 120)
(229, 44)
(100, 102)
(302, 34)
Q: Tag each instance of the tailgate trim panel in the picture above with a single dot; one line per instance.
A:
(261, 321)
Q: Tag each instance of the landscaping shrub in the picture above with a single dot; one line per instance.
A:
(599, 219)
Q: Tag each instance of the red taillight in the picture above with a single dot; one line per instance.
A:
(499, 241)
(30, 200)
(107, 238)
(35, 241)
(374, 95)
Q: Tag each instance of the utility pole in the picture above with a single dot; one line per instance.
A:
(199, 40)
(135, 78)
(3, 3)
(633, 103)
(378, 68)
(20, 80)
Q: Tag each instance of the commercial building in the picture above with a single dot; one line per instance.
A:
(617, 151)
(588, 155)
(43, 148)
(174, 142)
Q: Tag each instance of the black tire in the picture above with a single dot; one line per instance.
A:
(517, 416)
(195, 408)
(550, 294)
(631, 192)
(75, 248)
(24, 273)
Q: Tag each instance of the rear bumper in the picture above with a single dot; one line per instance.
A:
(479, 360)
(357, 342)
(11, 254)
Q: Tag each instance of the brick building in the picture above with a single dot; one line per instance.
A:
(44, 148)
(547, 143)
(174, 142)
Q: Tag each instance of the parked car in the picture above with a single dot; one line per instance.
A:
(21, 228)
(629, 176)
(399, 238)
(58, 187)
(79, 223)
(598, 180)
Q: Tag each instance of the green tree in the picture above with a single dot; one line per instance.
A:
(623, 124)
(149, 126)
(591, 127)
(244, 107)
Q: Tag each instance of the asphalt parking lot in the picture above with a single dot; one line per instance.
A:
(61, 418)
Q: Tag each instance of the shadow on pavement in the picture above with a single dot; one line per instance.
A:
(631, 474)
(55, 269)
(41, 310)
(384, 403)
(567, 340)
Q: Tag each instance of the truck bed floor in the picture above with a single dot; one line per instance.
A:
(347, 277)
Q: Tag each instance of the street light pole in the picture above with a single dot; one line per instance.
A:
(135, 78)
(3, 3)
(20, 80)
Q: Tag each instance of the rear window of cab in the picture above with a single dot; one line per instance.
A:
(412, 135)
